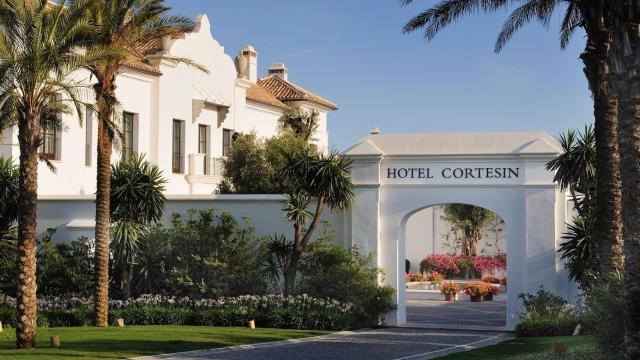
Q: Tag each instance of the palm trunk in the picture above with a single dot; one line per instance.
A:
(28, 137)
(608, 208)
(104, 97)
(626, 86)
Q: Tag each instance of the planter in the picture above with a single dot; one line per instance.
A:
(475, 298)
(488, 297)
(449, 297)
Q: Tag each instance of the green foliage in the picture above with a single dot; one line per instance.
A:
(606, 314)
(213, 255)
(301, 122)
(65, 269)
(137, 187)
(329, 271)
(8, 194)
(277, 259)
(9, 263)
(575, 170)
(579, 252)
(252, 164)
(546, 314)
(470, 220)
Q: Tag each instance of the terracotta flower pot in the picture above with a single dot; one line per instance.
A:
(475, 298)
(488, 297)
(450, 297)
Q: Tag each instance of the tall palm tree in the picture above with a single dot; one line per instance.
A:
(322, 179)
(39, 48)
(624, 21)
(133, 28)
(588, 15)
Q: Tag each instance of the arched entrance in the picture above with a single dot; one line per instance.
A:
(397, 175)
(455, 244)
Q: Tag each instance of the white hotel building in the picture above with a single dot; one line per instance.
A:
(182, 118)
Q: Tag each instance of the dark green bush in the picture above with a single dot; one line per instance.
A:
(329, 271)
(606, 314)
(546, 325)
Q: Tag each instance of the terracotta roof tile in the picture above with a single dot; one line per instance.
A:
(143, 67)
(259, 94)
(285, 91)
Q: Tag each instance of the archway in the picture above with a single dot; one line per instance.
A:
(398, 174)
(454, 246)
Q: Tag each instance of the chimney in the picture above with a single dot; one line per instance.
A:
(247, 64)
(279, 70)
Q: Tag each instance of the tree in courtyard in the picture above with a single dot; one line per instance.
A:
(137, 201)
(470, 221)
(39, 49)
(588, 15)
(133, 28)
(302, 122)
(623, 67)
(320, 179)
(575, 171)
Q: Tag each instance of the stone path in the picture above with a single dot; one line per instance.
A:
(434, 314)
(387, 344)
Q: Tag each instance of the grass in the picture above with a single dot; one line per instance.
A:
(118, 343)
(580, 346)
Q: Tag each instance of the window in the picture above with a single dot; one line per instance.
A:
(227, 140)
(127, 134)
(88, 145)
(50, 144)
(176, 159)
(202, 145)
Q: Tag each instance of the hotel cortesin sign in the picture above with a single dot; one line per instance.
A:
(442, 173)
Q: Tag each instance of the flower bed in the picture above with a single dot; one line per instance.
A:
(299, 312)
(454, 266)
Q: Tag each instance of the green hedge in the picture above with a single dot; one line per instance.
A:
(548, 325)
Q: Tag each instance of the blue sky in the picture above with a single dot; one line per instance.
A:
(354, 53)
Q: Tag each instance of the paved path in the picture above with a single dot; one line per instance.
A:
(383, 344)
(486, 315)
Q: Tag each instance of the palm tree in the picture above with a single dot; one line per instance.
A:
(39, 49)
(133, 28)
(137, 200)
(589, 15)
(624, 21)
(322, 179)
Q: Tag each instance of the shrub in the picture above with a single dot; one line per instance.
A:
(606, 312)
(414, 277)
(491, 279)
(329, 271)
(492, 289)
(467, 267)
(476, 288)
(450, 288)
(546, 314)
(547, 325)
(489, 264)
(442, 263)
(434, 276)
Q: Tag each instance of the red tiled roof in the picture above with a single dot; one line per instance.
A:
(286, 91)
(259, 94)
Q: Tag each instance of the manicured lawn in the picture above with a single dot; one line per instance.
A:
(117, 343)
(526, 345)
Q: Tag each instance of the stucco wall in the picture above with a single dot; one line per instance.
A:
(73, 217)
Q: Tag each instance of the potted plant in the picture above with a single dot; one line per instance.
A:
(491, 279)
(476, 290)
(414, 277)
(449, 290)
(492, 290)
(434, 276)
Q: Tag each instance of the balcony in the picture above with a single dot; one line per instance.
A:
(204, 170)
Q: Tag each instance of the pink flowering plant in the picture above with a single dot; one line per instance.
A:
(491, 279)
(413, 277)
(449, 288)
(493, 289)
(443, 263)
(476, 288)
(434, 276)
(489, 264)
